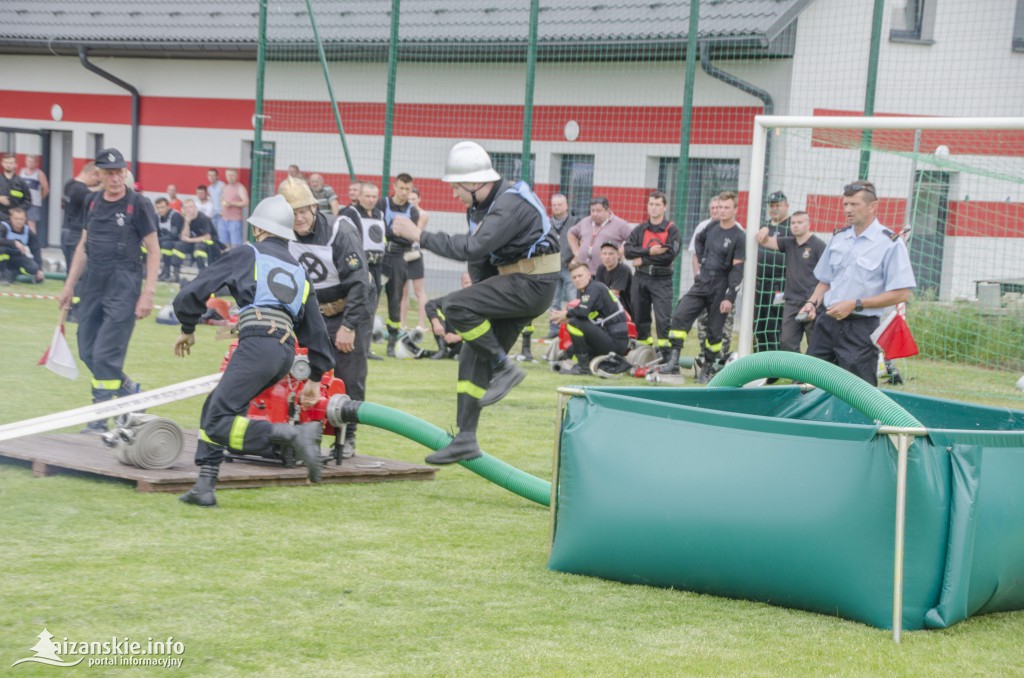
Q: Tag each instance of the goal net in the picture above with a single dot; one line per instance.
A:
(953, 188)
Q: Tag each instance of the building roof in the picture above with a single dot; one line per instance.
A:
(229, 28)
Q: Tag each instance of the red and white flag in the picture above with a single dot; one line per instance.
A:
(58, 358)
(893, 335)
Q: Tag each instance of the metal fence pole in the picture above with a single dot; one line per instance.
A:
(330, 90)
(531, 70)
(258, 162)
(681, 198)
(869, 90)
(389, 108)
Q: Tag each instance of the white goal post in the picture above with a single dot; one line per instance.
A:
(762, 126)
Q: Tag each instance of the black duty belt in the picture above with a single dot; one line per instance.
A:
(272, 319)
(655, 271)
(395, 248)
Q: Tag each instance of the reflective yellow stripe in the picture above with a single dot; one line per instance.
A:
(393, 323)
(207, 242)
(715, 348)
(470, 389)
(477, 332)
(4, 257)
(143, 248)
(305, 292)
(440, 315)
(166, 252)
(572, 329)
(107, 384)
(178, 253)
(528, 328)
(592, 315)
(676, 334)
(237, 439)
(75, 300)
(664, 343)
(255, 272)
(205, 438)
(201, 253)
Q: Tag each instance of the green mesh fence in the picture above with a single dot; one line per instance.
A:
(606, 85)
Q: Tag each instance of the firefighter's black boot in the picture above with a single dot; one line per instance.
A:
(202, 493)
(176, 272)
(463, 447)
(392, 340)
(348, 448)
(507, 376)
(525, 351)
(670, 361)
(100, 395)
(582, 366)
(305, 440)
(165, 271)
(707, 370)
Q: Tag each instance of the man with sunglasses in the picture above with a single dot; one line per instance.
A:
(864, 270)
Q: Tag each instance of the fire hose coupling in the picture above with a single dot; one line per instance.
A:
(343, 410)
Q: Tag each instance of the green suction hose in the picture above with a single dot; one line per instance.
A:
(488, 467)
(826, 376)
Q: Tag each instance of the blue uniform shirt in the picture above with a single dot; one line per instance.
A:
(858, 267)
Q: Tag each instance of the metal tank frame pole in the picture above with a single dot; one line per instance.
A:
(256, 179)
(531, 71)
(869, 88)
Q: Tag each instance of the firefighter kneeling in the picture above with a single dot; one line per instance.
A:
(597, 325)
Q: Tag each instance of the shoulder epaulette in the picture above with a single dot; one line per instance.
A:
(892, 235)
(840, 229)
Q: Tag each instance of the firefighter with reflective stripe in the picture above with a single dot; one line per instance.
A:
(721, 250)
(333, 258)
(512, 255)
(449, 343)
(369, 224)
(395, 267)
(170, 224)
(19, 248)
(597, 325)
(653, 247)
(14, 192)
(197, 236)
(118, 223)
(277, 306)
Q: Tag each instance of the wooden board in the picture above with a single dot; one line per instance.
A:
(54, 452)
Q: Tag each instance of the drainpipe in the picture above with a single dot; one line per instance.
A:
(83, 57)
(747, 88)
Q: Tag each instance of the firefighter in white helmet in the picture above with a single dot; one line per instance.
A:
(277, 305)
(513, 259)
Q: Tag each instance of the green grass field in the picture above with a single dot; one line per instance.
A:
(408, 578)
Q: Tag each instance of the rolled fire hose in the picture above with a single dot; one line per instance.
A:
(146, 441)
(342, 410)
(826, 376)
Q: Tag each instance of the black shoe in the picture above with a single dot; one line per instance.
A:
(580, 369)
(506, 377)
(348, 449)
(202, 493)
(463, 448)
(304, 439)
(98, 427)
(671, 364)
(392, 340)
(439, 355)
(373, 356)
(706, 373)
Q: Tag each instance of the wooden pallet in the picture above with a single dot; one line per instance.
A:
(55, 452)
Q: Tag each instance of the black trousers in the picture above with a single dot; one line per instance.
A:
(489, 316)
(767, 315)
(793, 332)
(705, 295)
(13, 262)
(375, 275)
(352, 367)
(106, 320)
(847, 343)
(651, 291)
(396, 270)
(590, 340)
(260, 361)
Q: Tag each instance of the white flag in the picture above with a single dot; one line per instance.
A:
(58, 358)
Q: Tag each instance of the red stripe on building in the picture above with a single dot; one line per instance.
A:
(959, 142)
(971, 218)
(607, 124)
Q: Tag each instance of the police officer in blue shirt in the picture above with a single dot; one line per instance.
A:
(863, 271)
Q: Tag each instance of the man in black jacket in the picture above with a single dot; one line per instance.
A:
(597, 325)
(512, 257)
(653, 247)
(277, 306)
(332, 255)
(19, 248)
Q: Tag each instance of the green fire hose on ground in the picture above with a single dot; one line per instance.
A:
(796, 366)
(490, 468)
